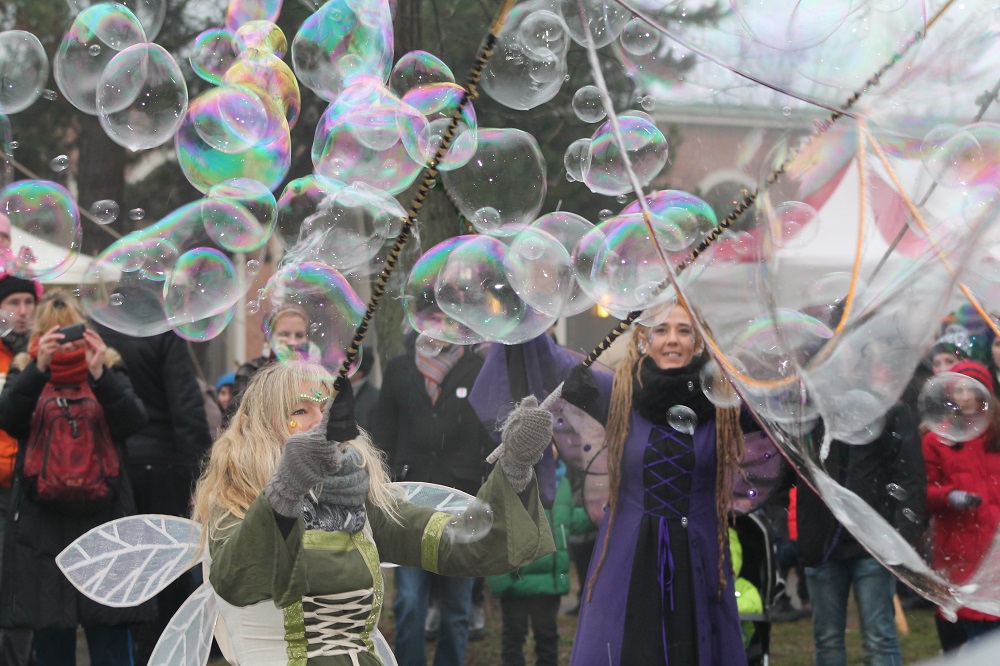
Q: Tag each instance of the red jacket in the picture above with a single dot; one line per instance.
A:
(8, 445)
(961, 538)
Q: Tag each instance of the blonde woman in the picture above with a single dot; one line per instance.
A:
(660, 586)
(299, 513)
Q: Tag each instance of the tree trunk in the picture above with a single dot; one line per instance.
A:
(101, 175)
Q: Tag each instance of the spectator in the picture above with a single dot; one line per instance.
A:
(365, 392)
(531, 594)
(213, 410)
(224, 389)
(430, 432)
(888, 474)
(954, 346)
(33, 592)
(164, 456)
(18, 299)
(748, 599)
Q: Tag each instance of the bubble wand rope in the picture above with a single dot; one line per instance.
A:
(469, 93)
(773, 177)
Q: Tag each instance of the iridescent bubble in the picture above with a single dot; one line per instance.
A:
(77, 72)
(150, 13)
(543, 31)
(302, 199)
(46, 211)
(604, 21)
(268, 76)
(486, 220)
(639, 38)
(245, 11)
(124, 300)
(790, 25)
(262, 35)
(681, 219)
(540, 270)
(717, 387)
(605, 214)
(369, 111)
(95, 49)
(104, 211)
(520, 78)
(682, 419)
(418, 68)
(24, 69)
(203, 283)
(141, 97)
(231, 119)
(117, 299)
(213, 53)
(328, 301)
(587, 104)
(955, 407)
(158, 258)
(567, 229)
(793, 224)
(963, 157)
(239, 214)
(645, 146)
(429, 347)
(577, 159)
(50, 95)
(253, 267)
(344, 40)
(136, 214)
(437, 103)
(420, 300)
(206, 329)
(348, 230)
(507, 173)
(59, 163)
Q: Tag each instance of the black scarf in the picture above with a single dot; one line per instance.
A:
(656, 391)
(17, 342)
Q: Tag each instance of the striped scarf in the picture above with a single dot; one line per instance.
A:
(436, 368)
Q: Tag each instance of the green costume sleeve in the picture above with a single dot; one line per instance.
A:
(252, 562)
(520, 534)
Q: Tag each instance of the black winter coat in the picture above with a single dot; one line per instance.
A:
(164, 378)
(888, 474)
(443, 443)
(33, 592)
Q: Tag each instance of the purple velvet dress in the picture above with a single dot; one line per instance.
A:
(657, 598)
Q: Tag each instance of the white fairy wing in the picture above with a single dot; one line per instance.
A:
(382, 650)
(188, 637)
(129, 560)
(434, 496)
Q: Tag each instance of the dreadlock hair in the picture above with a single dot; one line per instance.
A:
(728, 444)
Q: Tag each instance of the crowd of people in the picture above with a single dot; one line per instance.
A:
(289, 469)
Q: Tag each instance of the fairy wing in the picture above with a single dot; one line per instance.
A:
(434, 496)
(128, 561)
(188, 637)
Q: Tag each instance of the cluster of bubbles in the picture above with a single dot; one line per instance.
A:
(818, 356)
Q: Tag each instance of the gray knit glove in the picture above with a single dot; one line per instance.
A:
(306, 459)
(527, 432)
(340, 506)
(961, 500)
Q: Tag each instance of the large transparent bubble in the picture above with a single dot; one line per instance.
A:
(420, 301)
(24, 69)
(202, 284)
(645, 148)
(47, 215)
(955, 407)
(150, 13)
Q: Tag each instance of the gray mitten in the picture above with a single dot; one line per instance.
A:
(527, 432)
(340, 506)
(306, 459)
(962, 500)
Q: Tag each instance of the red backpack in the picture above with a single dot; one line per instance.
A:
(70, 456)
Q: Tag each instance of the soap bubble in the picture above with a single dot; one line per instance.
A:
(213, 53)
(239, 214)
(141, 97)
(59, 163)
(24, 69)
(150, 13)
(645, 146)
(603, 21)
(955, 407)
(202, 284)
(416, 69)
(105, 211)
(420, 300)
(78, 72)
(717, 387)
(587, 104)
(231, 119)
(423, 133)
(682, 419)
(261, 35)
(540, 270)
(639, 38)
(45, 211)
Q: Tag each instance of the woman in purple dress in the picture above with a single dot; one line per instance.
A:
(660, 586)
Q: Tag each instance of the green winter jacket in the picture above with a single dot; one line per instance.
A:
(549, 574)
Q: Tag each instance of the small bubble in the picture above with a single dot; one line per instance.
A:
(77, 292)
(314, 327)
(622, 198)
(570, 178)
(95, 49)
(59, 163)
(116, 299)
(786, 111)
(648, 103)
(253, 307)
(253, 267)
(104, 211)
(897, 491)
(136, 214)
(260, 294)
(910, 515)
(13, 145)
(604, 215)
(50, 95)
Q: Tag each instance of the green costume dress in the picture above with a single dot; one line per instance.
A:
(314, 597)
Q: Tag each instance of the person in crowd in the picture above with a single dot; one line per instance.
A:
(953, 346)
(224, 389)
(298, 512)
(165, 455)
(531, 594)
(748, 599)
(425, 424)
(33, 592)
(18, 299)
(213, 410)
(365, 391)
(287, 330)
(661, 568)
(888, 473)
(962, 502)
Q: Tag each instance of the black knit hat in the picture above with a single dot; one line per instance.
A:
(15, 285)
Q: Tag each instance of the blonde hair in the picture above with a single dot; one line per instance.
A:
(57, 308)
(246, 455)
(728, 444)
